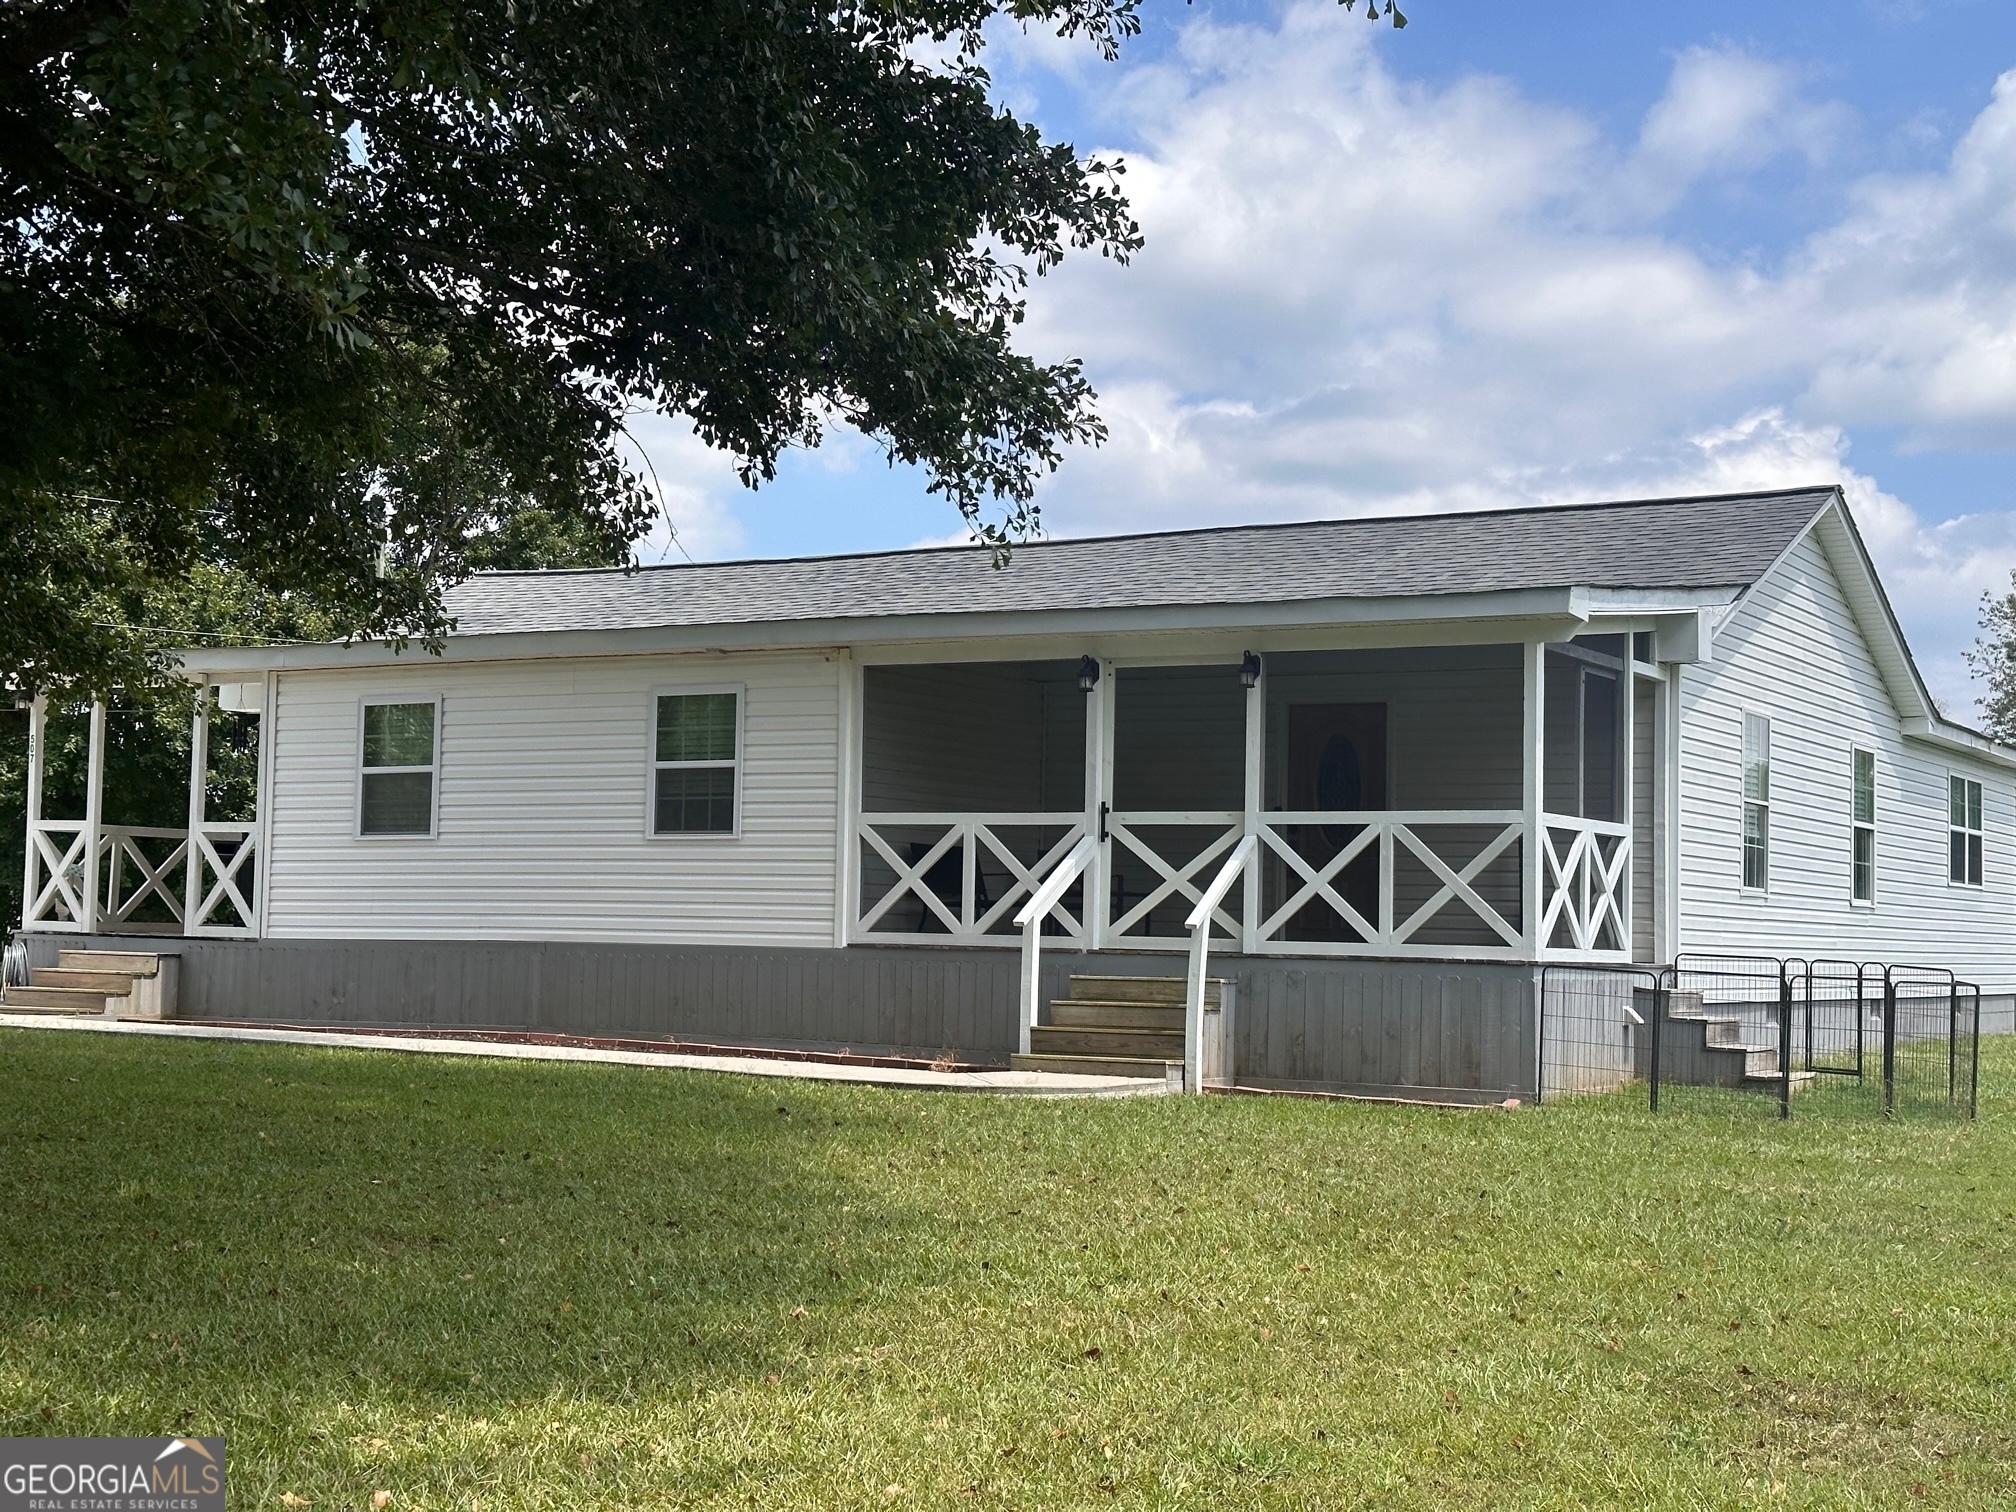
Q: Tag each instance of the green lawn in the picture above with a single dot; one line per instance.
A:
(488, 1285)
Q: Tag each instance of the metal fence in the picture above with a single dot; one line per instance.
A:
(1764, 1036)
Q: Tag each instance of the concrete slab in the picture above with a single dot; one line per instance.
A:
(1020, 1083)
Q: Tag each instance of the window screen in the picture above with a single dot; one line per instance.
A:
(1862, 819)
(399, 768)
(1756, 801)
(1963, 833)
(695, 763)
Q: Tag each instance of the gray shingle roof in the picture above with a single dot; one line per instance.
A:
(1727, 541)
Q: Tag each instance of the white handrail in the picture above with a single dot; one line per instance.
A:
(1199, 925)
(1030, 921)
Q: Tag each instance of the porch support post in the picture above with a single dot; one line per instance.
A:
(846, 849)
(94, 817)
(1098, 890)
(1668, 813)
(1627, 778)
(1256, 795)
(199, 780)
(1536, 745)
(38, 720)
(269, 756)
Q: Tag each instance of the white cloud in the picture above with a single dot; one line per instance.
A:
(1364, 294)
(693, 484)
(1361, 294)
(1725, 111)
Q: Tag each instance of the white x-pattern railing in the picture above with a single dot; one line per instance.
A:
(1179, 881)
(161, 881)
(1585, 886)
(205, 886)
(1458, 864)
(1384, 835)
(57, 852)
(223, 880)
(980, 846)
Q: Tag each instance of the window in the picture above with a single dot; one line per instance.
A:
(1863, 818)
(396, 784)
(695, 760)
(1756, 802)
(1963, 835)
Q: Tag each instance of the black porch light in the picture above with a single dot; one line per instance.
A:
(1088, 673)
(1249, 670)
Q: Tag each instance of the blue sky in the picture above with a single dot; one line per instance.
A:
(1515, 253)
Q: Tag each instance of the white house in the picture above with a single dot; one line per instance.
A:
(1410, 762)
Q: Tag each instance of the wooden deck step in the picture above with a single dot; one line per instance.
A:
(54, 1000)
(1167, 991)
(130, 962)
(110, 983)
(1095, 1065)
(1076, 1013)
(1144, 1044)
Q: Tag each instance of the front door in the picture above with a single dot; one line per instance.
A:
(1336, 762)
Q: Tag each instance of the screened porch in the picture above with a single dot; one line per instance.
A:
(1403, 802)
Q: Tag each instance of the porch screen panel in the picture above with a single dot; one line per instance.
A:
(972, 777)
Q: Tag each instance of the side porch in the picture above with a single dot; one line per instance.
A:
(1456, 803)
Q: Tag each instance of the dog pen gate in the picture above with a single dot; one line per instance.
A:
(1764, 1034)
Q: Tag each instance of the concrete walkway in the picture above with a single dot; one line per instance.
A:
(1023, 1083)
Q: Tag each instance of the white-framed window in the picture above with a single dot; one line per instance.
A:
(1862, 820)
(696, 761)
(398, 768)
(1756, 803)
(1963, 831)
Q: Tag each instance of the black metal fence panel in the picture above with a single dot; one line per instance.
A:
(1760, 1036)
(1594, 1024)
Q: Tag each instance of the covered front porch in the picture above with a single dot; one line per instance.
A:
(1454, 802)
(182, 863)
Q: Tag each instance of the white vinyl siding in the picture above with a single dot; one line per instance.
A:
(544, 802)
(1792, 647)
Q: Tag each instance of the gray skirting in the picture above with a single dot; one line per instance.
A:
(1397, 1028)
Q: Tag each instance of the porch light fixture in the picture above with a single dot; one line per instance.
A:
(1088, 673)
(1249, 670)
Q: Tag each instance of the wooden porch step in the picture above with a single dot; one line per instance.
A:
(1167, 991)
(110, 983)
(55, 999)
(1077, 1013)
(1095, 1065)
(139, 963)
(1145, 1044)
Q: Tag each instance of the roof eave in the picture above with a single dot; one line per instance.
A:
(1567, 607)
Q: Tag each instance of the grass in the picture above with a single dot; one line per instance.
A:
(492, 1285)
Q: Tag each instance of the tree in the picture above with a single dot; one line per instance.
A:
(1993, 659)
(298, 291)
(148, 725)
